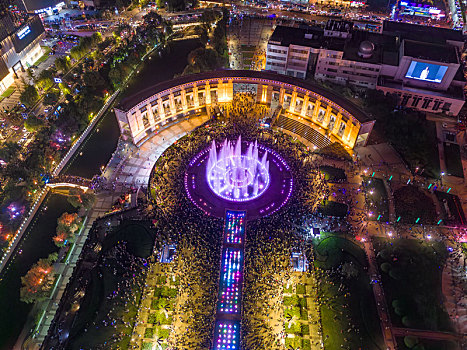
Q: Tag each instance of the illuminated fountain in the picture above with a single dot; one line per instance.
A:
(237, 176)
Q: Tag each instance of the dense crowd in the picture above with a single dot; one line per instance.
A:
(197, 235)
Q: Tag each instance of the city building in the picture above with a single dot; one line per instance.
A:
(303, 109)
(19, 47)
(40, 6)
(418, 63)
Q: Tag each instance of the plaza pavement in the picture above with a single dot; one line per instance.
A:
(136, 164)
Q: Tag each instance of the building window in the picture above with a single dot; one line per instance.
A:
(426, 103)
(446, 107)
(436, 105)
(415, 101)
(405, 99)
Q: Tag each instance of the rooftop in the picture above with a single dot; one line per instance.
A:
(431, 52)
(385, 48)
(129, 102)
(422, 33)
(309, 36)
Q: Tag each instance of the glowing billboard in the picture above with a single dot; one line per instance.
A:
(426, 71)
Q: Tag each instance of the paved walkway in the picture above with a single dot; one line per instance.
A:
(402, 332)
(136, 163)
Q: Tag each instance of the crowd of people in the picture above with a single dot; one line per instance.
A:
(197, 236)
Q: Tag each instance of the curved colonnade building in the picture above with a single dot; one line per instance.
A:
(306, 110)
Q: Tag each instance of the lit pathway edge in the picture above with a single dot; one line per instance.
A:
(227, 326)
(24, 225)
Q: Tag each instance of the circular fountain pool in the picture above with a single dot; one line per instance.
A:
(238, 175)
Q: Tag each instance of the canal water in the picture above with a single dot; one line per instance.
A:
(93, 153)
(36, 244)
(98, 147)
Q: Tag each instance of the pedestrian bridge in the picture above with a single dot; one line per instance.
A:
(70, 182)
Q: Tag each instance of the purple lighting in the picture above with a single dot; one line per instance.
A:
(234, 227)
(230, 281)
(227, 335)
(237, 176)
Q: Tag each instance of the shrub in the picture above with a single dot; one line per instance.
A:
(152, 318)
(164, 333)
(146, 346)
(410, 341)
(386, 267)
(303, 302)
(306, 344)
(305, 329)
(407, 321)
(155, 304)
(149, 333)
(157, 292)
(301, 289)
(291, 301)
(303, 314)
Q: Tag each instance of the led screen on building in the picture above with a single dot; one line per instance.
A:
(426, 71)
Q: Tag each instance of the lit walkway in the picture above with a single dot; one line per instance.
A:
(134, 165)
(227, 328)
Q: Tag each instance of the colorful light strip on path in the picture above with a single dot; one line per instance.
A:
(227, 331)
(227, 335)
(234, 227)
(230, 280)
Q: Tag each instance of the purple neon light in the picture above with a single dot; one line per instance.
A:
(234, 228)
(230, 281)
(227, 335)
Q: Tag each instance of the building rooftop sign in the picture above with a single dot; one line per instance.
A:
(23, 32)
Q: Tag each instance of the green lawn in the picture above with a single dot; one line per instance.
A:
(412, 203)
(8, 92)
(411, 276)
(376, 198)
(348, 313)
(41, 59)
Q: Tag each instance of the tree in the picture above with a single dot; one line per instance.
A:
(96, 38)
(203, 34)
(202, 60)
(78, 199)
(9, 150)
(63, 63)
(67, 226)
(33, 123)
(51, 98)
(45, 79)
(38, 282)
(29, 95)
(118, 74)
